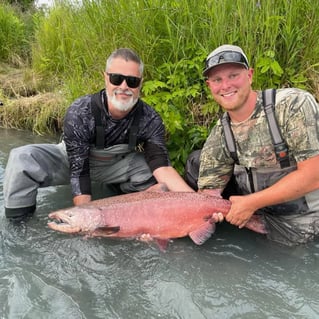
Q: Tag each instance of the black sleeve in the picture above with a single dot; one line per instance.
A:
(78, 129)
(155, 156)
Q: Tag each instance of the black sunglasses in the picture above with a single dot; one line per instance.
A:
(131, 81)
(224, 57)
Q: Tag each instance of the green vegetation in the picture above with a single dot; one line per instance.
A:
(68, 46)
(12, 34)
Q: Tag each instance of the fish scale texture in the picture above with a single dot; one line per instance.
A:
(158, 214)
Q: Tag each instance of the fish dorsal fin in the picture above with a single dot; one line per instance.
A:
(201, 234)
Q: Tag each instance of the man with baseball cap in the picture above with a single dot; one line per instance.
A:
(284, 199)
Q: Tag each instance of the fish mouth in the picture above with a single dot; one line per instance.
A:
(62, 224)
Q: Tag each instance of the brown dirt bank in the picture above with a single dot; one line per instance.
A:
(28, 102)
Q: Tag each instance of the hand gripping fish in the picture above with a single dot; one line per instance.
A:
(148, 215)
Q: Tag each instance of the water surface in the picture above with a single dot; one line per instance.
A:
(235, 274)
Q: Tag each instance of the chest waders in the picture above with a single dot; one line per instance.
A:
(249, 179)
(119, 164)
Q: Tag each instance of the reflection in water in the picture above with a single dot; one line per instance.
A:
(235, 274)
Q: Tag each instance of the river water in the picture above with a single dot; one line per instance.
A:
(235, 274)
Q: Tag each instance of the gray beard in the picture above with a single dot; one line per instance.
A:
(119, 105)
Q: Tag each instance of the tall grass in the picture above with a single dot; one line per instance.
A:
(173, 37)
(279, 36)
(12, 34)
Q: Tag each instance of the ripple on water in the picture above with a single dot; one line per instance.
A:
(24, 294)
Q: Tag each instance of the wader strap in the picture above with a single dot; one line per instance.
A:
(281, 149)
(96, 107)
(229, 137)
(132, 138)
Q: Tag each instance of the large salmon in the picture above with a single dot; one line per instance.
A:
(154, 215)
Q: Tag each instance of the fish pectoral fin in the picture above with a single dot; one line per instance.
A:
(201, 234)
(106, 230)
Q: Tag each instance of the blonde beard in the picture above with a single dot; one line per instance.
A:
(119, 105)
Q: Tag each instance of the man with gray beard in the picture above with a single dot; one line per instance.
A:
(111, 137)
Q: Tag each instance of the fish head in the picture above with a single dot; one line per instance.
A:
(77, 219)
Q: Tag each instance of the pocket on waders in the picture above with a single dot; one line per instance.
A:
(108, 156)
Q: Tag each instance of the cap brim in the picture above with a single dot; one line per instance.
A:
(226, 62)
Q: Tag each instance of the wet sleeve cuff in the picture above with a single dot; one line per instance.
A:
(81, 186)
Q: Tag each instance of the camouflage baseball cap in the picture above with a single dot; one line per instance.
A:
(225, 54)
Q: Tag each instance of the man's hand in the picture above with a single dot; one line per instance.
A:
(241, 210)
(81, 199)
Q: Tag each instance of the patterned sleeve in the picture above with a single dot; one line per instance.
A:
(299, 119)
(78, 126)
(216, 165)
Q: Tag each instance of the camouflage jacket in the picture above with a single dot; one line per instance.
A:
(297, 113)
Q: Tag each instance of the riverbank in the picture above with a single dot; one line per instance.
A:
(29, 102)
